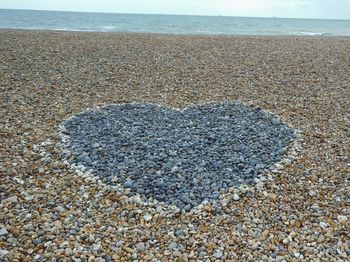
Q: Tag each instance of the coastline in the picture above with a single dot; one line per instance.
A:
(49, 212)
(223, 35)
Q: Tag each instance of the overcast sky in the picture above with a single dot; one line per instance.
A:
(329, 9)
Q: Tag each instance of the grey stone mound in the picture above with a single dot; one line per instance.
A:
(178, 157)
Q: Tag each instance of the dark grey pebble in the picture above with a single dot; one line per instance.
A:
(178, 157)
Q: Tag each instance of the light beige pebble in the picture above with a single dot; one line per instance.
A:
(342, 219)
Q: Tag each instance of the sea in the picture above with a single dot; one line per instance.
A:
(170, 24)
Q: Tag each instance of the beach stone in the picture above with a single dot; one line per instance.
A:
(182, 258)
(3, 252)
(140, 247)
(91, 238)
(60, 209)
(147, 217)
(217, 253)
(3, 231)
(323, 225)
(342, 219)
(172, 245)
(12, 199)
(177, 253)
(235, 197)
(180, 157)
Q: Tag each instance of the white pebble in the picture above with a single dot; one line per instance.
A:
(147, 217)
(235, 197)
(218, 253)
(259, 185)
(342, 219)
(3, 231)
(323, 225)
(3, 253)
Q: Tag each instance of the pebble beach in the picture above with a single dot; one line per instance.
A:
(297, 210)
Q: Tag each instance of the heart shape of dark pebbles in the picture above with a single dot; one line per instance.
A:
(180, 157)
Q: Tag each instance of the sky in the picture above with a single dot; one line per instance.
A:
(323, 9)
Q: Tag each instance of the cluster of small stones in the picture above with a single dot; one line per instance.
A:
(180, 157)
(298, 211)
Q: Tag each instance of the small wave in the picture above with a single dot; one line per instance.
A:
(313, 33)
(108, 27)
(72, 29)
(62, 29)
(54, 28)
